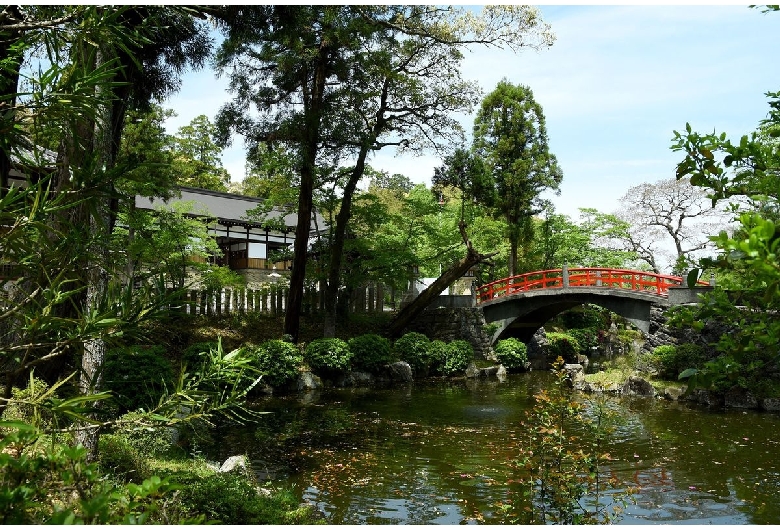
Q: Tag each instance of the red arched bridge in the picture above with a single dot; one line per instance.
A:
(522, 304)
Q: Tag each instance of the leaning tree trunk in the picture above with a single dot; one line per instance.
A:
(447, 278)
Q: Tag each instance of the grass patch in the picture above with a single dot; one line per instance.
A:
(607, 379)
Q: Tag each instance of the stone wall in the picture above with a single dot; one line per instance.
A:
(448, 324)
(661, 333)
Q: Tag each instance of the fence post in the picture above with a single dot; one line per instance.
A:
(280, 299)
(598, 278)
(565, 275)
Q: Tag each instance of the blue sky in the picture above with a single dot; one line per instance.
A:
(615, 85)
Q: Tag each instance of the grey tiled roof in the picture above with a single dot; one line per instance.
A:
(225, 206)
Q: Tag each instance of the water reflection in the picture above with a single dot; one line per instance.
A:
(441, 452)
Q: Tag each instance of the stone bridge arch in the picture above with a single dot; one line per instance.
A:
(520, 315)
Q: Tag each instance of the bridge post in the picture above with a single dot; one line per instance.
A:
(565, 275)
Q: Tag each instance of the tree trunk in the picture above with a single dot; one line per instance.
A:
(425, 298)
(512, 266)
(9, 83)
(313, 119)
(337, 246)
(447, 278)
(106, 134)
(292, 314)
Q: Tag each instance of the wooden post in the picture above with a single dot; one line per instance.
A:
(280, 297)
(380, 298)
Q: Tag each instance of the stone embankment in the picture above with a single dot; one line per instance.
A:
(398, 373)
(636, 385)
(461, 323)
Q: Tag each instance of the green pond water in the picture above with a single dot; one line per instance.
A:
(437, 452)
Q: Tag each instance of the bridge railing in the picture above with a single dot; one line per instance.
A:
(648, 282)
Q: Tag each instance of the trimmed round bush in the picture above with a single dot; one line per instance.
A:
(414, 348)
(459, 354)
(562, 345)
(437, 350)
(370, 352)
(278, 361)
(512, 353)
(137, 376)
(328, 355)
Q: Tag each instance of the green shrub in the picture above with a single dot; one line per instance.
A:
(278, 361)
(662, 357)
(21, 406)
(195, 355)
(491, 328)
(562, 345)
(588, 338)
(512, 353)
(459, 354)
(154, 441)
(232, 499)
(629, 336)
(331, 356)
(54, 484)
(119, 457)
(586, 316)
(137, 376)
(671, 360)
(414, 348)
(437, 350)
(370, 351)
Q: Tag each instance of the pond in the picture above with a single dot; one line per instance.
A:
(438, 452)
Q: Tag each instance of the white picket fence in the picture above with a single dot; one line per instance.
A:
(273, 300)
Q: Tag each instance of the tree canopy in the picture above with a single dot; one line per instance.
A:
(337, 83)
(510, 133)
